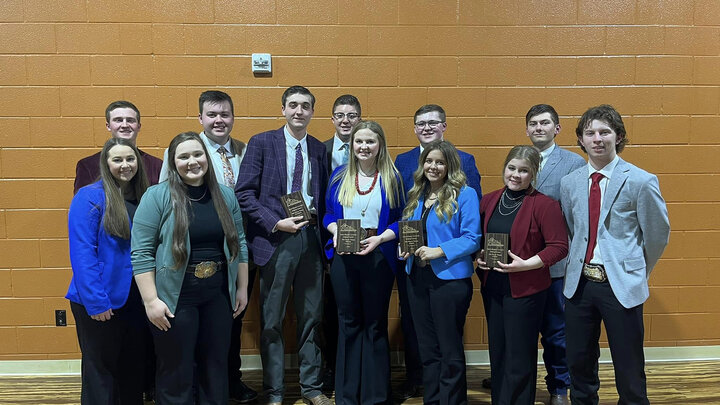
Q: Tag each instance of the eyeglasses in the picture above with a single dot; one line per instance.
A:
(431, 124)
(350, 116)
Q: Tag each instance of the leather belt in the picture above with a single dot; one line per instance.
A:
(370, 232)
(594, 272)
(204, 269)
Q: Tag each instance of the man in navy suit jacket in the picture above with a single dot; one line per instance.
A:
(430, 125)
(542, 125)
(288, 251)
(122, 119)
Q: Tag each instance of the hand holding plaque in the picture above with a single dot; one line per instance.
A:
(294, 205)
(496, 249)
(349, 233)
(411, 236)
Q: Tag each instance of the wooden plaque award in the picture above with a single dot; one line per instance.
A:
(294, 206)
(496, 248)
(349, 234)
(411, 236)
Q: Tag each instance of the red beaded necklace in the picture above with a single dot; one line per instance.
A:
(372, 186)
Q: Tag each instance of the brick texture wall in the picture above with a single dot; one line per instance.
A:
(485, 61)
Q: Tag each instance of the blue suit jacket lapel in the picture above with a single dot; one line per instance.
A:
(279, 145)
(313, 156)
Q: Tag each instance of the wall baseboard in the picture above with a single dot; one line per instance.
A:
(473, 357)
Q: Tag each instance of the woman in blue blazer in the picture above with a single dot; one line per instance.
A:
(104, 299)
(439, 284)
(368, 188)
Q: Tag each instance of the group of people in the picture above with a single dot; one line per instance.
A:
(168, 269)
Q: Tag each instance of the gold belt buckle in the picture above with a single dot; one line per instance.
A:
(595, 273)
(205, 269)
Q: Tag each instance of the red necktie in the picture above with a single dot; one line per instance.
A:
(594, 209)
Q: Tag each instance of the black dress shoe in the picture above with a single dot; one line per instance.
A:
(149, 396)
(487, 383)
(328, 381)
(241, 393)
(406, 391)
(559, 400)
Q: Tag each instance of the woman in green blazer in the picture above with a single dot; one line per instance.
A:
(189, 258)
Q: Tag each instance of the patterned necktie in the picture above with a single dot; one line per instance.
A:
(594, 210)
(298, 173)
(346, 153)
(227, 168)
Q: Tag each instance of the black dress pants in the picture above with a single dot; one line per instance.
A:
(439, 308)
(113, 354)
(411, 351)
(362, 287)
(234, 359)
(199, 334)
(513, 329)
(591, 304)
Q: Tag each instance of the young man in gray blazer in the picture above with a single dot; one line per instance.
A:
(542, 125)
(618, 226)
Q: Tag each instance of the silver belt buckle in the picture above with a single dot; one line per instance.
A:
(595, 273)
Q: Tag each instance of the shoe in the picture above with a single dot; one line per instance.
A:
(328, 381)
(318, 400)
(149, 396)
(406, 391)
(487, 383)
(239, 392)
(559, 400)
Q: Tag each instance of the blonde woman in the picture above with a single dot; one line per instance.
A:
(368, 188)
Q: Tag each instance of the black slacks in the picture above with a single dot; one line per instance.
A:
(439, 308)
(591, 304)
(330, 324)
(199, 335)
(362, 287)
(234, 359)
(296, 265)
(513, 329)
(411, 351)
(113, 354)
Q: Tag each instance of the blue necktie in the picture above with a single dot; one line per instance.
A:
(346, 153)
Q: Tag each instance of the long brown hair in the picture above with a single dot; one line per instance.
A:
(446, 205)
(180, 203)
(115, 220)
(388, 173)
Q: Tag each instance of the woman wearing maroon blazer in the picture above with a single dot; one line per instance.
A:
(514, 293)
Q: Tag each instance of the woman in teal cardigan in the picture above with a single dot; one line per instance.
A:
(189, 258)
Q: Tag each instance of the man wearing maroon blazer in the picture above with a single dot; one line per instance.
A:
(122, 119)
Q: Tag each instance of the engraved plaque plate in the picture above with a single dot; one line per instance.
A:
(411, 236)
(349, 234)
(496, 248)
(294, 206)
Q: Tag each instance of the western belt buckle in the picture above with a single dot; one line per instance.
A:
(594, 273)
(205, 269)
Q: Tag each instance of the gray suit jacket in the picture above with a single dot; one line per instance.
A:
(633, 229)
(557, 165)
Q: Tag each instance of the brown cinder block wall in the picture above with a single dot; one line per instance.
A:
(486, 62)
